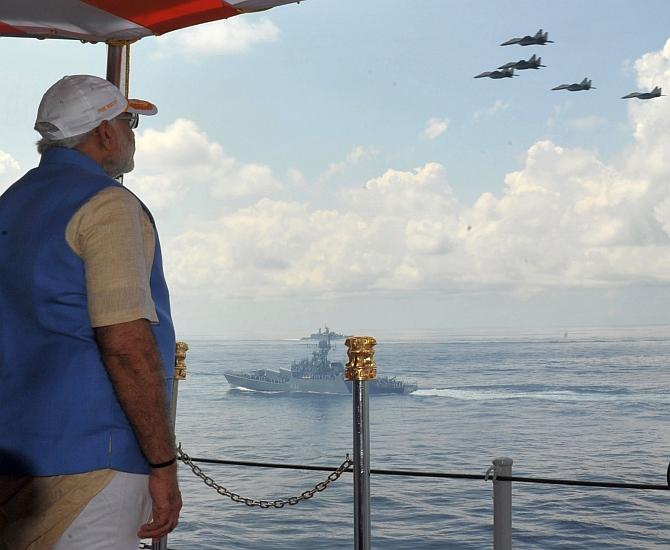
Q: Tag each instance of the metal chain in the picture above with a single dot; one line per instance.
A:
(279, 503)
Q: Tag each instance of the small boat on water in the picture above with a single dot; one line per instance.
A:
(315, 374)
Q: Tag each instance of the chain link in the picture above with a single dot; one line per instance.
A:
(279, 503)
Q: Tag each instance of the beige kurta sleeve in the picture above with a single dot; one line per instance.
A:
(114, 237)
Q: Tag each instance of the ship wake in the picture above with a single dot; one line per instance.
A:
(546, 394)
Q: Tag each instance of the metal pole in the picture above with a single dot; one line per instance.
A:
(118, 69)
(118, 64)
(502, 505)
(179, 374)
(361, 368)
(361, 467)
(115, 67)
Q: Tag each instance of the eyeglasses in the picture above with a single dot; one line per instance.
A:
(132, 119)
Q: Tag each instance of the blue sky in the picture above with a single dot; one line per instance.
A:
(336, 162)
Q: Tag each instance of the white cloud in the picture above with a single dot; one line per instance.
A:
(435, 127)
(358, 154)
(499, 105)
(662, 215)
(565, 219)
(287, 248)
(181, 157)
(651, 118)
(558, 112)
(397, 192)
(295, 177)
(586, 122)
(229, 36)
(9, 170)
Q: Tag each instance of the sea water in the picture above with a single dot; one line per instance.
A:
(582, 404)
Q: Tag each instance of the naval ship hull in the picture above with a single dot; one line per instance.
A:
(280, 382)
(312, 375)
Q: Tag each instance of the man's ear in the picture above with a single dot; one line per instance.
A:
(107, 135)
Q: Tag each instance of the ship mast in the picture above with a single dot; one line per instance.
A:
(324, 348)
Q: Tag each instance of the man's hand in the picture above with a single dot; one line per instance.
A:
(166, 500)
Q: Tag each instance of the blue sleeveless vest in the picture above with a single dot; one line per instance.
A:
(58, 410)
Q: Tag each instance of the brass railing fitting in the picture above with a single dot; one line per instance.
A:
(361, 365)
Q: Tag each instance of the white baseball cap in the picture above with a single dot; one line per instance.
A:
(76, 104)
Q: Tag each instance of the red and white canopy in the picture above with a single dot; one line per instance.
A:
(103, 20)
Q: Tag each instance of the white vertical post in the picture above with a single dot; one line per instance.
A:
(502, 505)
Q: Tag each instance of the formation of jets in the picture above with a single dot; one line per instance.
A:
(540, 38)
(534, 62)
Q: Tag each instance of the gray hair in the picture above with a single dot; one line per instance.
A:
(45, 144)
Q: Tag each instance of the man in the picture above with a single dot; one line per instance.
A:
(86, 340)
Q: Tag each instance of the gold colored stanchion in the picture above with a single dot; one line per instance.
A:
(179, 374)
(360, 368)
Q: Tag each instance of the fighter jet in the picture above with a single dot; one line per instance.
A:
(540, 39)
(533, 63)
(656, 92)
(505, 73)
(583, 85)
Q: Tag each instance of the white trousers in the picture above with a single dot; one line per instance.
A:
(111, 519)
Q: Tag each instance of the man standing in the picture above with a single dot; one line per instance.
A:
(86, 340)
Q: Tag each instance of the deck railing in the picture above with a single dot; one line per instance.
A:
(499, 473)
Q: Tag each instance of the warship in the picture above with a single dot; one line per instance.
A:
(326, 333)
(315, 374)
